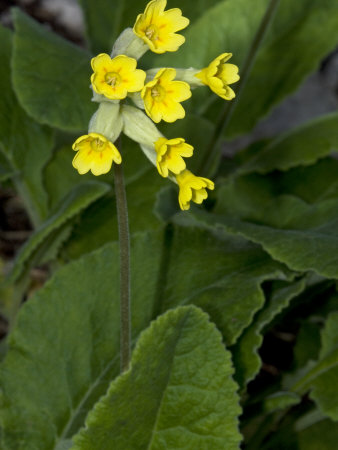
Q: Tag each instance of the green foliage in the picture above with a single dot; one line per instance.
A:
(302, 146)
(178, 392)
(253, 269)
(79, 198)
(25, 146)
(245, 353)
(322, 376)
(292, 231)
(46, 87)
(298, 27)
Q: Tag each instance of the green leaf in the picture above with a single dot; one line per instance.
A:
(65, 345)
(245, 353)
(51, 76)
(218, 273)
(76, 314)
(322, 377)
(280, 400)
(25, 146)
(78, 199)
(178, 392)
(302, 146)
(277, 72)
(322, 435)
(276, 212)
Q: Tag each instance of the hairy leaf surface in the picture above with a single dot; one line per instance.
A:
(178, 392)
(51, 76)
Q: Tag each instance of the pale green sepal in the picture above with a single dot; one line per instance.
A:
(107, 121)
(99, 98)
(129, 44)
(138, 127)
(187, 75)
(136, 99)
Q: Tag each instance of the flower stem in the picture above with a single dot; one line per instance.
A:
(211, 156)
(122, 217)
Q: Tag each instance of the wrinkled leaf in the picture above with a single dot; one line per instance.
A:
(246, 358)
(78, 199)
(275, 212)
(302, 146)
(322, 377)
(277, 72)
(77, 315)
(51, 76)
(177, 394)
(26, 146)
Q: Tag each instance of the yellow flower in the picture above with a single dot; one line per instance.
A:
(169, 155)
(95, 153)
(157, 27)
(114, 78)
(219, 75)
(162, 96)
(192, 188)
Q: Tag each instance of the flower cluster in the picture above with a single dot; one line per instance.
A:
(158, 92)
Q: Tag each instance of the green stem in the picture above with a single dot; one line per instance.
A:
(122, 217)
(224, 118)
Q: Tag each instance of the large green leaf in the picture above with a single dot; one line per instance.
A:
(178, 392)
(301, 147)
(26, 146)
(292, 216)
(229, 288)
(51, 76)
(65, 345)
(66, 341)
(76, 200)
(246, 359)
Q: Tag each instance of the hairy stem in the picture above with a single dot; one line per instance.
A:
(212, 154)
(122, 217)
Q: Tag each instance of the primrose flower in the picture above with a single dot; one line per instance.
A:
(169, 155)
(218, 75)
(157, 27)
(162, 96)
(95, 153)
(114, 78)
(192, 188)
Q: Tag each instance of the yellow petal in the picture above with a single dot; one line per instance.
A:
(102, 162)
(175, 19)
(82, 161)
(229, 74)
(123, 64)
(100, 62)
(171, 111)
(179, 91)
(136, 80)
(155, 8)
